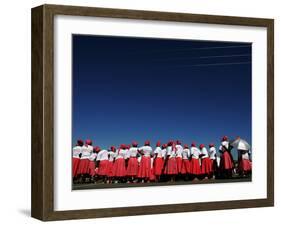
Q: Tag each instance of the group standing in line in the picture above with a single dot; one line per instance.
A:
(170, 161)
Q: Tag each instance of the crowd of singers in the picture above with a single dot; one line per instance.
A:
(170, 161)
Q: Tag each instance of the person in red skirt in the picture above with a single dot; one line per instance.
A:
(76, 152)
(83, 169)
(185, 170)
(195, 169)
(159, 154)
(226, 162)
(102, 164)
(111, 158)
(244, 163)
(213, 157)
(133, 166)
(179, 151)
(206, 167)
(119, 168)
(171, 169)
(92, 165)
(144, 172)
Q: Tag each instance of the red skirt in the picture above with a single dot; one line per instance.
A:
(158, 166)
(83, 166)
(119, 169)
(132, 169)
(206, 166)
(110, 172)
(179, 164)
(245, 165)
(195, 167)
(145, 167)
(185, 166)
(92, 168)
(103, 170)
(226, 161)
(171, 167)
(75, 165)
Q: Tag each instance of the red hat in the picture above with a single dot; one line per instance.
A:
(122, 146)
(185, 146)
(128, 146)
(80, 142)
(158, 144)
(170, 143)
(211, 145)
(88, 142)
(164, 145)
(178, 142)
(147, 143)
(224, 138)
(135, 144)
(112, 148)
(201, 146)
(193, 144)
(97, 148)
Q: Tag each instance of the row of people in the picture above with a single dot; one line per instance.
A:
(132, 163)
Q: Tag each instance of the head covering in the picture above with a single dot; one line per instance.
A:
(128, 146)
(135, 144)
(193, 144)
(147, 143)
(158, 144)
(224, 138)
(178, 142)
(211, 145)
(80, 142)
(201, 146)
(170, 143)
(186, 146)
(97, 149)
(122, 146)
(88, 142)
(164, 145)
(112, 148)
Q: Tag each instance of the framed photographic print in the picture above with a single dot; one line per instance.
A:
(141, 112)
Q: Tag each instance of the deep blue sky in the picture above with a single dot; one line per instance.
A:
(127, 89)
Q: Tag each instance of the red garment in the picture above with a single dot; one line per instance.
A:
(185, 166)
(119, 169)
(158, 166)
(145, 166)
(110, 172)
(92, 168)
(132, 169)
(195, 167)
(83, 166)
(245, 165)
(206, 166)
(75, 166)
(179, 164)
(171, 167)
(226, 161)
(103, 170)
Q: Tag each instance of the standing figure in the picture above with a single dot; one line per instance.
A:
(111, 158)
(102, 164)
(185, 170)
(244, 163)
(171, 163)
(213, 157)
(92, 165)
(159, 154)
(179, 151)
(83, 169)
(76, 152)
(206, 166)
(145, 163)
(226, 162)
(132, 169)
(119, 167)
(195, 170)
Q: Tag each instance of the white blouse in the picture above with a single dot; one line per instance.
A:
(195, 152)
(170, 152)
(76, 151)
(212, 152)
(93, 156)
(186, 153)
(146, 150)
(111, 156)
(102, 155)
(205, 153)
(86, 151)
(121, 153)
(132, 152)
(179, 150)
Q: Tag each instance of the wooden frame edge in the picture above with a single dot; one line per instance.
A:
(42, 203)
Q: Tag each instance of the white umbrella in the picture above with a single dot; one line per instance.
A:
(240, 144)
